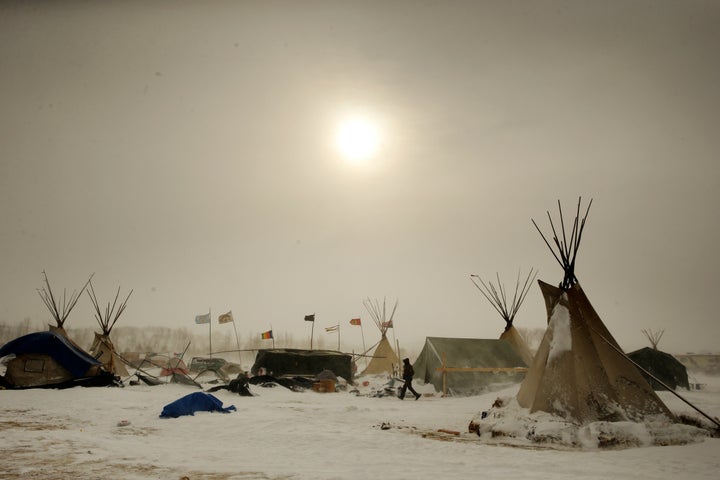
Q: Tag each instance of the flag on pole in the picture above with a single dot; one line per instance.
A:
(387, 324)
(334, 328)
(310, 318)
(225, 317)
(266, 335)
(200, 319)
(355, 321)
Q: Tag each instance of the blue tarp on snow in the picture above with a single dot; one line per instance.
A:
(72, 358)
(194, 402)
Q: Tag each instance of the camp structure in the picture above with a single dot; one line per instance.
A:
(384, 359)
(705, 363)
(580, 373)
(296, 362)
(498, 298)
(102, 348)
(50, 360)
(59, 308)
(660, 369)
(468, 366)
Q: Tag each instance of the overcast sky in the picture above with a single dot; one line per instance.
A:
(186, 150)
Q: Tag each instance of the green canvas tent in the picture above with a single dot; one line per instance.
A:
(467, 366)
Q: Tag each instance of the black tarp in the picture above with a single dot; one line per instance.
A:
(296, 362)
(661, 365)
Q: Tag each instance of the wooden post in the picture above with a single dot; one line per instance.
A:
(445, 369)
(444, 372)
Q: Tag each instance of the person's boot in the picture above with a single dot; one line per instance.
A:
(417, 396)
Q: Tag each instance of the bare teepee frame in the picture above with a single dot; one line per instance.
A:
(378, 314)
(654, 337)
(567, 249)
(498, 297)
(103, 348)
(60, 311)
(109, 318)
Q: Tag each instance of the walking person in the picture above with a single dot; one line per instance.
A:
(408, 373)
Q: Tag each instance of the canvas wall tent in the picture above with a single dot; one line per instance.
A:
(663, 366)
(384, 358)
(483, 363)
(174, 365)
(498, 298)
(295, 362)
(48, 359)
(579, 372)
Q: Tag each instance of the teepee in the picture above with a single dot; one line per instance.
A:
(498, 298)
(662, 370)
(102, 348)
(60, 310)
(384, 359)
(580, 372)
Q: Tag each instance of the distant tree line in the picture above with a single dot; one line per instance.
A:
(167, 340)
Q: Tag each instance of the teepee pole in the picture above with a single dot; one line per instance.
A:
(362, 332)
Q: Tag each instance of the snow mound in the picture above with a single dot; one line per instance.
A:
(506, 423)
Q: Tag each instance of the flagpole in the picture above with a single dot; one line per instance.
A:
(237, 340)
(362, 332)
(210, 330)
(396, 343)
(338, 325)
(312, 330)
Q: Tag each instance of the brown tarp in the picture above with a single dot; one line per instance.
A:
(577, 374)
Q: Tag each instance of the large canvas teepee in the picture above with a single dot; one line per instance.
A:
(102, 348)
(498, 298)
(385, 359)
(579, 371)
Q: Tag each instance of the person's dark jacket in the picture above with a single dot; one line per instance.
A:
(408, 372)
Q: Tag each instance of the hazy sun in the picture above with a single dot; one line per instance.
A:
(358, 139)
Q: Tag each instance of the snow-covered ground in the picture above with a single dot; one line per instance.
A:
(281, 434)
